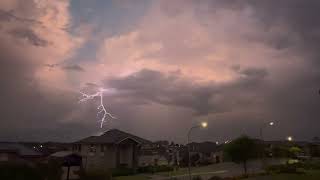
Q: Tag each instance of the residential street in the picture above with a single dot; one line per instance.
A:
(225, 169)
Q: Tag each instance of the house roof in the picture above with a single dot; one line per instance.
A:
(204, 147)
(113, 136)
(61, 154)
(19, 149)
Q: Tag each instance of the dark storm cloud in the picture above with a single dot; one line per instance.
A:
(30, 111)
(299, 17)
(10, 16)
(174, 90)
(153, 99)
(74, 67)
(153, 86)
(29, 35)
(27, 110)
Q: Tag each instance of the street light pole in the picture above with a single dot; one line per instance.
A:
(203, 125)
(263, 126)
(262, 141)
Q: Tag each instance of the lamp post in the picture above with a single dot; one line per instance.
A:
(262, 141)
(263, 126)
(202, 125)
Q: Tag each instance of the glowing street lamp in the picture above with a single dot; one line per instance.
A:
(202, 125)
(289, 138)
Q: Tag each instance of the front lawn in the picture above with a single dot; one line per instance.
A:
(309, 175)
(134, 177)
(197, 170)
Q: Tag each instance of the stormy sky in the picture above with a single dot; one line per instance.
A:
(236, 64)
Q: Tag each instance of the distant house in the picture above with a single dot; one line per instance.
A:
(47, 148)
(280, 148)
(153, 155)
(15, 152)
(207, 152)
(113, 149)
(159, 153)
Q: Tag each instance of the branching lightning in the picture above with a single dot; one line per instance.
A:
(101, 106)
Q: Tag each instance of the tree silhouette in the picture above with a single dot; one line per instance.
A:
(241, 150)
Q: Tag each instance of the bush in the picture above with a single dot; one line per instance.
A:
(19, 172)
(98, 175)
(215, 178)
(285, 168)
(311, 165)
(145, 169)
(122, 171)
(196, 178)
(163, 168)
(154, 169)
(50, 171)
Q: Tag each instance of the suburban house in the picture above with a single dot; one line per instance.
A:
(206, 152)
(280, 148)
(159, 153)
(152, 155)
(18, 153)
(113, 149)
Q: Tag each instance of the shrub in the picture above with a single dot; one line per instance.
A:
(19, 172)
(285, 168)
(153, 169)
(311, 165)
(163, 168)
(145, 169)
(97, 175)
(122, 171)
(215, 178)
(196, 178)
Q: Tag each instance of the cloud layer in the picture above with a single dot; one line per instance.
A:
(234, 63)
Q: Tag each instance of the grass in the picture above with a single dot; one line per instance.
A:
(309, 175)
(195, 170)
(181, 171)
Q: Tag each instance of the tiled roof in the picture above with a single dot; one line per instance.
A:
(62, 154)
(113, 136)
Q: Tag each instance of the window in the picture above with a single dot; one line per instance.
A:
(102, 148)
(79, 147)
(92, 148)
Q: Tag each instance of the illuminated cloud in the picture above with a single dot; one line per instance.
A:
(170, 63)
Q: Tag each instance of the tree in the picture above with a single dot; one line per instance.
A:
(241, 150)
(295, 151)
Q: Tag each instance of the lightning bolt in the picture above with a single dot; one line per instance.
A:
(101, 106)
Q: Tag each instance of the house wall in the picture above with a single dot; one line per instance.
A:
(151, 160)
(4, 157)
(218, 155)
(7, 156)
(126, 155)
(95, 159)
